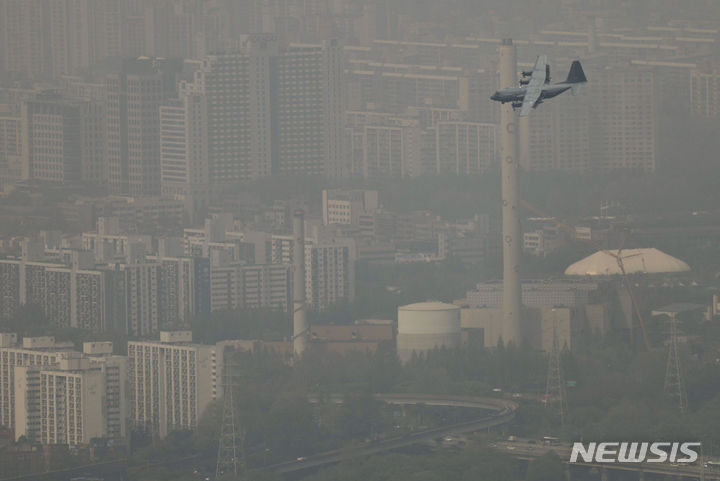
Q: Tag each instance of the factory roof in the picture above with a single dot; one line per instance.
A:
(635, 261)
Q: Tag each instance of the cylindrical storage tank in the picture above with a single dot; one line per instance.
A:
(425, 326)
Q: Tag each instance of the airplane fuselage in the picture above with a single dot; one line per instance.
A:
(517, 94)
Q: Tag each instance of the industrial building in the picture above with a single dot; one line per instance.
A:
(425, 326)
(635, 261)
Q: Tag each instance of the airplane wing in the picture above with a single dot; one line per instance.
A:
(534, 87)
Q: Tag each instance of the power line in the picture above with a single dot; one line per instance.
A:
(229, 445)
(674, 386)
(555, 389)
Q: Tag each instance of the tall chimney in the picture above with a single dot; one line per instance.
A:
(592, 35)
(300, 326)
(510, 217)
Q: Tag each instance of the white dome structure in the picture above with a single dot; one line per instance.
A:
(635, 261)
(425, 326)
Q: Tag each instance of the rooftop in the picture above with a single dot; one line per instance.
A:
(429, 306)
(635, 261)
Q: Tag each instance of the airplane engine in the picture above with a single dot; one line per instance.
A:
(526, 73)
(524, 81)
(516, 105)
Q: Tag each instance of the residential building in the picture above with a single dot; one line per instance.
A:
(134, 95)
(263, 286)
(13, 144)
(33, 351)
(705, 92)
(349, 207)
(70, 296)
(262, 110)
(464, 148)
(67, 397)
(172, 382)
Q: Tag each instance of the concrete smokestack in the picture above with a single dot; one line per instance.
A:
(300, 326)
(510, 217)
(592, 35)
(524, 142)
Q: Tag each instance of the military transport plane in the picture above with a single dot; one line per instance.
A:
(537, 88)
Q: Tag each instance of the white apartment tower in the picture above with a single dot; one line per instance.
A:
(184, 151)
(38, 351)
(52, 394)
(172, 381)
(60, 404)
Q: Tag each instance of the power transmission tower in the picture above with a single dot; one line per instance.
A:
(228, 449)
(674, 386)
(555, 390)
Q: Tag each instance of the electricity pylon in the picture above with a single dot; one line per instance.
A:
(555, 389)
(674, 386)
(229, 450)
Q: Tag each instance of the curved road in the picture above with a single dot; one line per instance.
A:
(503, 412)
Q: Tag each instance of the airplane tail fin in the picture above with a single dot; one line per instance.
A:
(576, 74)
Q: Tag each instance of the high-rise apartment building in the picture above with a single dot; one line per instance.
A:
(329, 268)
(183, 290)
(22, 38)
(65, 139)
(622, 120)
(51, 38)
(464, 148)
(70, 296)
(61, 403)
(330, 273)
(60, 396)
(34, 351)
(262, 286)
(610, 126)
(133, 297)
(184, 151)
(134, 95)
(172, 381)
(705, 92)
(13, 144)
(53, 130)
(262, 110)
(384, 145)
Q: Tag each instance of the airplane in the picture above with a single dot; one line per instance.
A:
(534, 90)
